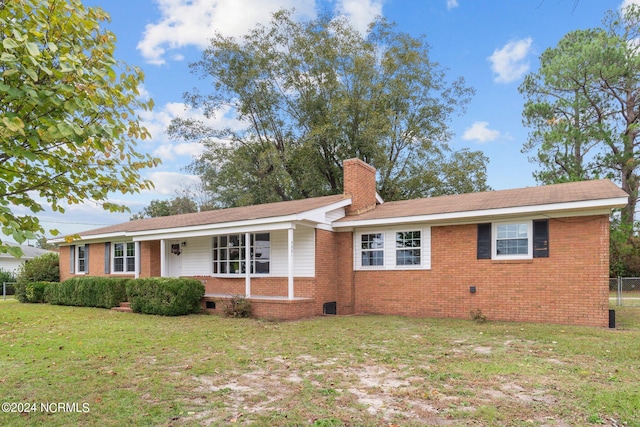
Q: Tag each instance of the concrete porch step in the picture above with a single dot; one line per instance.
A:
(125, 307)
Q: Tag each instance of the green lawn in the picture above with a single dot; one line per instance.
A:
(113, 369)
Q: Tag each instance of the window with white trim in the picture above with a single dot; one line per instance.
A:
(124, 257)
(393, 248)
(512, 240)
(524, 239)
(372, 249)
(408, 248)
(81, 259)
(231, 253)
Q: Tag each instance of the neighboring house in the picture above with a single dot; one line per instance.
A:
(10, 263)
(538, 254)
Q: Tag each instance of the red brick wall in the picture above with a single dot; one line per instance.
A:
(96, 261)
(64, 263)
(326, 289)
(569, 287)
(269, 309)
(150, 259)
(360, 184)
(346, 275)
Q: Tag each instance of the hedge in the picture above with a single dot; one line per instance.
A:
(33, 292)
(165, 295)
(88, 291)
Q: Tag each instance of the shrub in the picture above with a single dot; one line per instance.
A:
(44, 268)
(238, 306)
(89, 291)
(34, 292)
(165, 295)
(477, 316)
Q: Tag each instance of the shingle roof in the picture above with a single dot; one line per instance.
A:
(267, 210)
(530, 196)
(28, 252)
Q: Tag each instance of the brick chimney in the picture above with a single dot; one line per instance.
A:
(360, 185)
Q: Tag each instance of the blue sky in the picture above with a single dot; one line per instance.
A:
(491, 43)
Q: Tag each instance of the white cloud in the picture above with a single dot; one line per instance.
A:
(193, 22)
(166, 183)
(509, 63)
(360, 12)
(626, 3)
(158, 121)
(479, 131)
(451, 4)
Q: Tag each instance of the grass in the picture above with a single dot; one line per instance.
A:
(112, 369)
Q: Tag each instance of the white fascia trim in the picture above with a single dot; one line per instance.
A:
(181, 233)
(582, 208)
(94, 238)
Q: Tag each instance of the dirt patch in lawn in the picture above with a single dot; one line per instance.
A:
(387, 395)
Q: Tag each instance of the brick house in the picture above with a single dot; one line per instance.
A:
(538, 254)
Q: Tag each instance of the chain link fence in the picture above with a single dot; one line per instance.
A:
(625, 291)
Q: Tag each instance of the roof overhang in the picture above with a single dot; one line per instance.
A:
(314, 218)
(554, 210)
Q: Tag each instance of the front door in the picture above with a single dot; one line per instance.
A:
(174, 259)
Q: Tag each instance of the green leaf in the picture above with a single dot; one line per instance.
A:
(7, 57)
(15, 251)
(9, 43)
(18, 236)
(32, 73)
(14, 124)
(33, 49)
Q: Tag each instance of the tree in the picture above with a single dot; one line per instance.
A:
(68, 114)
(175, 206)
(42, 243)
(624, 250)
(315, 93)
(584, 107)
(44, 268)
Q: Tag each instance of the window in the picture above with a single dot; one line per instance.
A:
(393, 248)
(515, 240)
(372, 246)
(230, 254)
(512, 239)
(261, 252)
(81, 260)
(408, 248)
(124, 257)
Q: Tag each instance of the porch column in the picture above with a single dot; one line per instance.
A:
(163, 256)
(290, 263)
(137, 258)
(247, 264)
